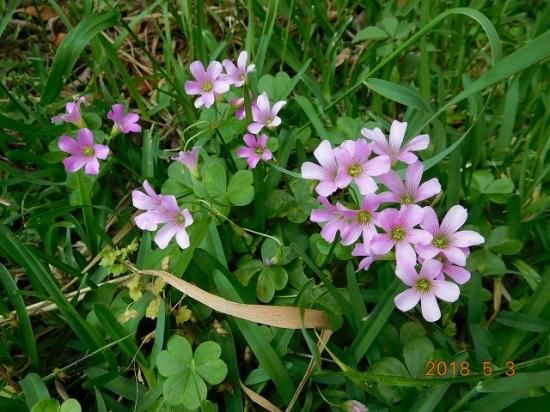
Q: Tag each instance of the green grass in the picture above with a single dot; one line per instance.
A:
(474, 77)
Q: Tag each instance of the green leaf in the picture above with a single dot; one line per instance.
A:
(271, 278)
(277, 87)
(186, 373)
(240, 190)
(311, 113)
(46, 405)
(70, 405)
(214, 177)
(34, 389)
(69, 51)
(399, 93)
(519, 382)
(370, 33)
(416, 353)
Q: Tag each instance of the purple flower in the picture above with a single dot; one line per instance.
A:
(354, 165)
(125, 122)
(151, 203)
(190, 159)
(364, 250)
(73, 113)
(84, 153)
(332, 215)
(362, 221)
(457, 273)
(208, 83)
(255, 150)
(238, 103)
(326, 173)
(355, 406)
(175, 221)
(236, 75)
(393, 148)
(399, 232)
(412, 191)
(446, 239)
(425, 287)
(264, 115)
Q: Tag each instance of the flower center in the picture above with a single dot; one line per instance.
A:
(180, 219)
(242, 77)
(398, 234)
(423, 285)
(440, 241)
(270, 120)
(259, 151)
(88, 151)
(407, 199)
(355, 170)
(207, 86)
(364, 217)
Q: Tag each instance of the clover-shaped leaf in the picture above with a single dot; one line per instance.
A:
(240, 191)
(271, 278)
(186, 372)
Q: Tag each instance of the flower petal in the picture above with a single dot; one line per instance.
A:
(445, 290)
(92, 166)
(466, 238)
(430, 308)
(101, 151)
(457, 273)
(377, 166)
(182, 238)
(397, 133)
(407, 274)
(84, 137)
(255, 127)
(454, 219)
(165, 234)
(417, 143)
(405, 254)
(430, 269)
(381, 244)
(197, 70)
(407, 300)
(428, 189)
(67, 144)
(74, 162)
(430, 222)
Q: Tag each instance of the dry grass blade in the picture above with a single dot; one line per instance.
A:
(280, 316)
(259, 399)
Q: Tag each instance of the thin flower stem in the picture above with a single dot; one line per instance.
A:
(219, 214)
(203, 131)
(330, 252)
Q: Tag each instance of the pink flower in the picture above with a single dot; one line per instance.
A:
(175, 221)
(73, 113)
(238, 103)
(425, 287)
(364, 250)
(393, 148)
(457, 273)
(236, 75)
(332, 215)
(125, 122)
(264, 115)
(208, 83)
(354, 165)
(190, 159)
(412, 191)
(399, 232)
(255, 150)
(326, 173)
(362, 221)
(151, 203)
(446, 239)
(84, 153)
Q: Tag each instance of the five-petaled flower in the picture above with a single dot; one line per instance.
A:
(400, 233)
(83, 151)
(237, 74)
(411, 191)
(73, 113)
(354, 165)
(447, 239)
(393, 146)
(207, 84)
(175, 221)
(362, 221)
(264, 115)
(326, 173)
(425, 287)
(124, 122)
(332, 216)
(151, 203)
(255, 150)
(190, 159)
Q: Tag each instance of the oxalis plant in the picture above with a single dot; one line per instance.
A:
(225, 256)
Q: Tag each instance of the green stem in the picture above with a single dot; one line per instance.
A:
(84, 189)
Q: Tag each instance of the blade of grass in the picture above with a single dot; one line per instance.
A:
(24, 321)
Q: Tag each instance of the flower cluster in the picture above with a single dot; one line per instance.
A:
(211, 83)
(411, 231)
(162, 210)
(84, 151)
